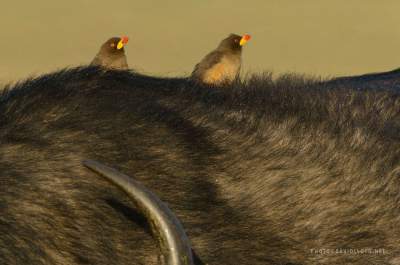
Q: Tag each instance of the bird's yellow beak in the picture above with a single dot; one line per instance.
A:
(244, 39)
(122, 42)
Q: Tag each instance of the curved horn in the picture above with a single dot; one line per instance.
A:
(174, 244)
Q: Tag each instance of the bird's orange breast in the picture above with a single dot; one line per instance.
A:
(224, 71)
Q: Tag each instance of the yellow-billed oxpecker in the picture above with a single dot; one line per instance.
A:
(222, 65)
(112, 54)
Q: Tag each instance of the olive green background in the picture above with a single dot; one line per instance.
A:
(168, 37)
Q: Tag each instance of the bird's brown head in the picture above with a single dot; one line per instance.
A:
(112, 54)
(234, 42)
(114, 45)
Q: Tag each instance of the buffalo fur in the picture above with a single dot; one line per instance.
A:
(374, 81)
(286, 171)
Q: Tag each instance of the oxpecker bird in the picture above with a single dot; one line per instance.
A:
(222, 65)
(112, 54)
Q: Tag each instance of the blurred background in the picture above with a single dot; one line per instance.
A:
(325, 38)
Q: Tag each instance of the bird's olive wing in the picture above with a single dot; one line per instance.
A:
(209, 61)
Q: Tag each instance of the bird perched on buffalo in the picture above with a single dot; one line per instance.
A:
(112, 54)
(221, 66)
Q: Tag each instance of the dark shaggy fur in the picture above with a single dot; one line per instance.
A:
(264, 172)
(386, 80)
